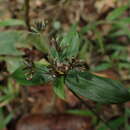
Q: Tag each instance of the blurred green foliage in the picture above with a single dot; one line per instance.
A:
(113, 53)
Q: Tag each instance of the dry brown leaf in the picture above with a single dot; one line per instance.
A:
(104, 5)
(54, 122)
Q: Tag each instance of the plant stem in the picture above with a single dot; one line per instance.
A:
(27, 10)
(91, 109)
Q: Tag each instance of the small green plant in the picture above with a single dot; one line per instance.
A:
(4, 120)
(63, 64)
(7, 95)
(63, 68)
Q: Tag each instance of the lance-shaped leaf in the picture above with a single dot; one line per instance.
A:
(11, 22)
(97, 88)
(59, 87)
(70, 44)
(117, 12)
(41, 75)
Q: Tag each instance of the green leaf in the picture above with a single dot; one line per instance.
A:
(101, 67)
(70, 44)
(4, 120)
(124, 65)
(59, 87)
(11, 22)
(8, 42)
(117, 13)
(113, 124)
(13, 63)
(8, 118)
(41, 75)
(81, 112)
(2, 123)
(39, 41)
(8, 93)
(125, 20)
(100, 41)
(97, 88)
(54, 54)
